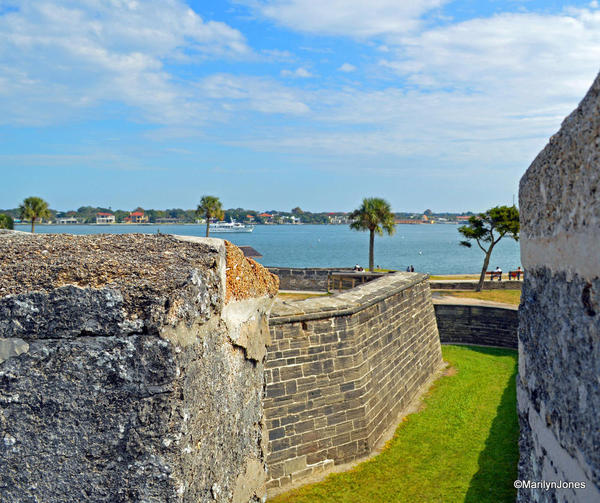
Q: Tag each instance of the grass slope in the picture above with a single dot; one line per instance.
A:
(462, 447)
(504, 296)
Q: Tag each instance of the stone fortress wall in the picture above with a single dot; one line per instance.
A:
(340, 369)
(559, 334)
(477, 325)
(472, 285)
(131, 369)
(299, 278)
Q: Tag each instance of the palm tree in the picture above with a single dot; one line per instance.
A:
(210, 207)
(34, 208)
(375, 216)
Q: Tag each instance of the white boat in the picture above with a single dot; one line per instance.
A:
(232, 226)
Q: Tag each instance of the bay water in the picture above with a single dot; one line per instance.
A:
(433, 249)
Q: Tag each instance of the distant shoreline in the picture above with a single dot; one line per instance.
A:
(28, 224)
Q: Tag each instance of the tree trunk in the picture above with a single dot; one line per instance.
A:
(32, 225)
(486, 262)
(207, 225)
(371, 248)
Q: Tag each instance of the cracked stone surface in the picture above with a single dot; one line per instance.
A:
(559, 318)
(122, 379)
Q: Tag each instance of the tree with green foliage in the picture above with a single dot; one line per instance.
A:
(375, 216)
(34, 208)
(210, 207)
(6, 222)
(487, 229)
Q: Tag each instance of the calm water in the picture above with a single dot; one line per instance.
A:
(429, 248)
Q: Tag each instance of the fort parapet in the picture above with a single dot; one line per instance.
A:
(341, 369)
(131, 369)
(559, 334)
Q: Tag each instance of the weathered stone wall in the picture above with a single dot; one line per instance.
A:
(340, 369)
(472, 285)
(478, 325)
(559, 334)
(311, 279)
(125, 375)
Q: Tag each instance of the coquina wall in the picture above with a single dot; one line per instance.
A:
(340, 369)
(131, 369)
(296, 278)
(472, 285)
(559, 334)
(478, 325)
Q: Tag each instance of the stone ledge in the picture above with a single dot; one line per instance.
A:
(346, 303)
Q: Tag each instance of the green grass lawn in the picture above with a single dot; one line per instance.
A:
(452, 277)
(506, 296)
(299, 295)
(461, 447)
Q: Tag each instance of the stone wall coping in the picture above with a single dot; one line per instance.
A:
(345, 303)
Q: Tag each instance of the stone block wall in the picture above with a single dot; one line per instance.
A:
(558, 387)
(472, 285)
(340, 369)
(296, 278)
(478, 325)
(131, 369)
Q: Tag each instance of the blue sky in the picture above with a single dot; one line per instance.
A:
(282, 103)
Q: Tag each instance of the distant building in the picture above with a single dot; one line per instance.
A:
(267, 217)
(67, 220)
(105, 218)
(338, 218)
(136, 217)
(168, 220)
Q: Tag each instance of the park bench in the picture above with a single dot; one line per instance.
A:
(512, 275)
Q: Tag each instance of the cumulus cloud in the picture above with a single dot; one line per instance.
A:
(483, 93)
(347, 68)
(514, 54)
(302, 73)
(60, 57)
(353, 18)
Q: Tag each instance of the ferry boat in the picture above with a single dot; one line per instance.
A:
(231, 226)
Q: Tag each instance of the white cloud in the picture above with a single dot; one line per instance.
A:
(277, 55)
(511, 55)
(352, 18)
(483, 94)
(302, 73)
(256, 94)
(61, 57)
(347, 67)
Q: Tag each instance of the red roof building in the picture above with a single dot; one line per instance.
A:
(137, 217)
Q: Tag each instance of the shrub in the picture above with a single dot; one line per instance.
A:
(6, 222)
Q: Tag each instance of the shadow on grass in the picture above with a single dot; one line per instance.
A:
(493, 482)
